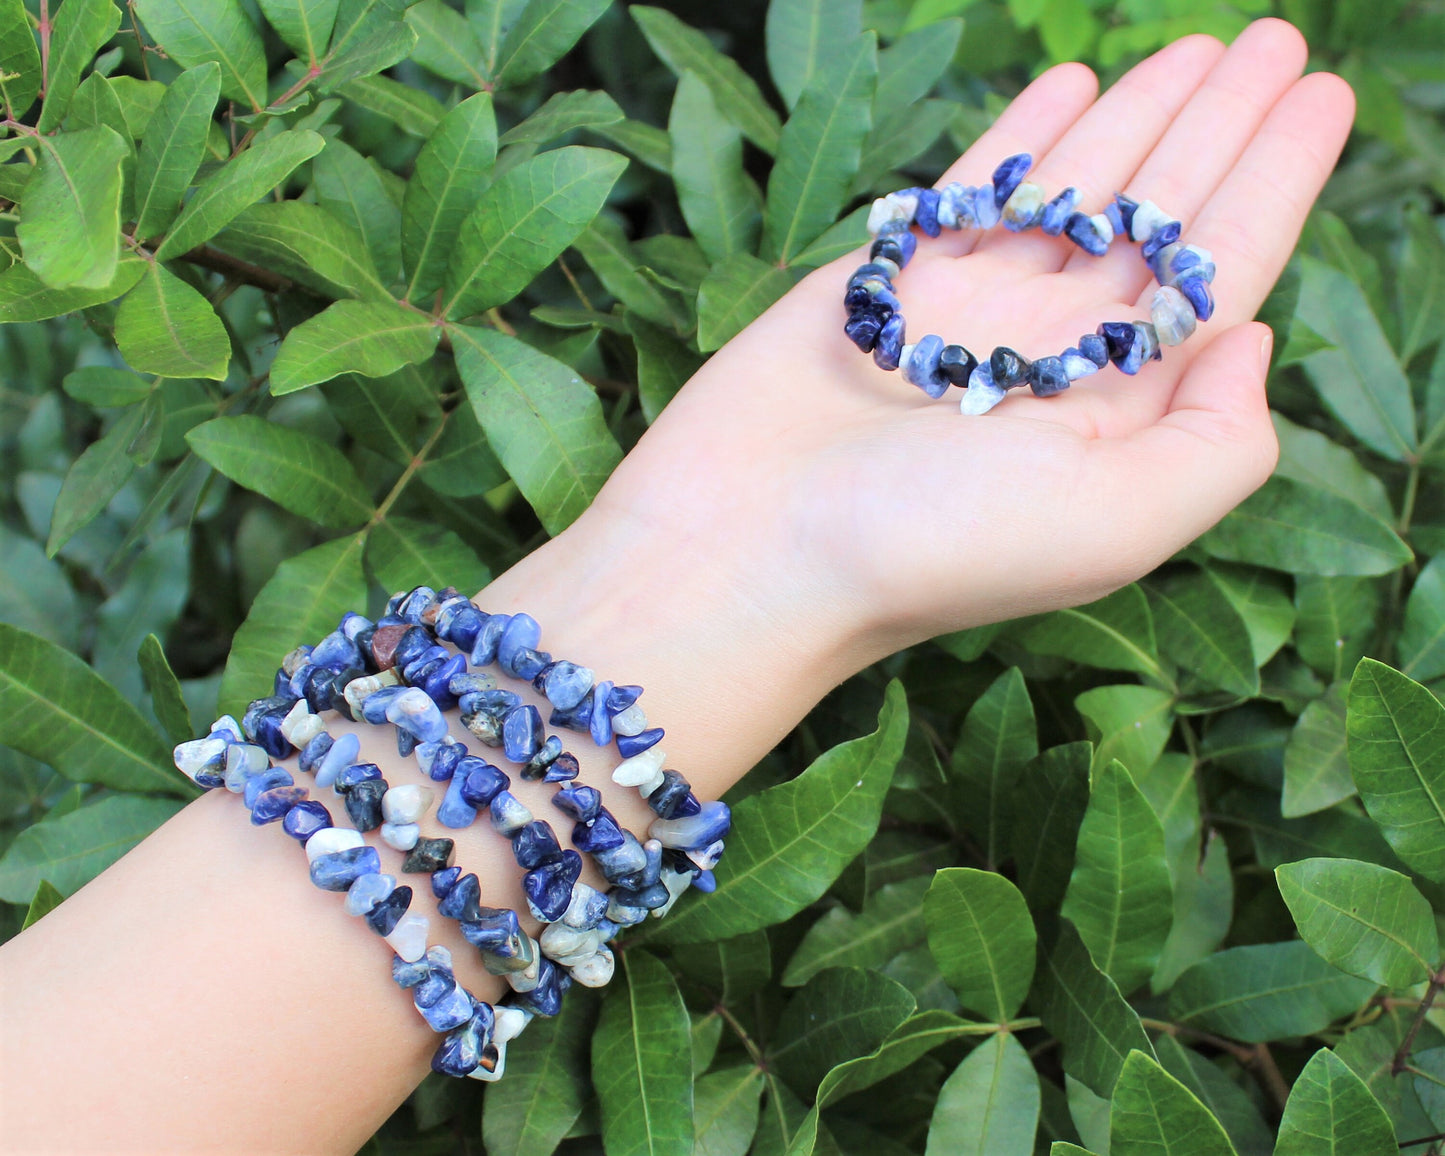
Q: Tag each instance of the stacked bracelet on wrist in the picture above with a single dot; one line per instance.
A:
(397, 670)
(875, 321)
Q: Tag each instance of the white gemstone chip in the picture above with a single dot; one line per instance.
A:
(408, 937)
(406, 803)
(329, 840)
(629, 722)
(642, 771)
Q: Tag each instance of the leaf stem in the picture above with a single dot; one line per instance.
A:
(45, 29)
(418, 460)
(1245, 1055)
(1407, 504)
(1422, 1140)
(1402, 1053)
(755, 1053)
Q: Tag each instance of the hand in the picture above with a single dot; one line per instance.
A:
(848, 494)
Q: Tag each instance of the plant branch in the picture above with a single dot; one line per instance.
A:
(417, 461)
(1423, 1140)
(1245, 1055)
(1268, 1072)
(755, 1053)
(240, 271)
(1402, 1053)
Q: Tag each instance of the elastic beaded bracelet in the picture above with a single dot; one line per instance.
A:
(875, 320)
(475, 1033)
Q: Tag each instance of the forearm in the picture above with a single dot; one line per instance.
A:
(202, 994)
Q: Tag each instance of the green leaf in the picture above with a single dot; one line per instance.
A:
(684, 49)
(1332, 1113)
(1421, 644)
(1115, 633)
(790, 842)
(1128, 723)
(1365, 919)
(542, 421)
(20, 72)
(547, 1083)
(1049, 800)
(664, 365)
(174, 146)
(165, 327)
(461, 464)
(1307, 456)
(1359, 378)
(350, 188)
(1335, 623)
(1266, 991)
(165, 691)
(982, 937)
(371, 339)
(238, 183)
(93, 480)
(1420, 288)
(837, 240)
(1119, 897)
(451, 172)
(1289, 526)
(303, 601)
(523, 222)
(358, 65)
(195, 31)
(891, 919)
(893, 142)
(298, 472)
(24, 297)
(305, 25)
(1398, 764)
(45, 900)
(646, 142)
(402, 553)
(34, 592)
(605, 248)
(1152, 1112)
(69, 228)
(910, 67)
(1227, 1101)
(998, 737)
(1200, 631)
(446, 44)
(80, 30)
(73, 849)
(1316, 769)
(725, 1111)
(100, 385)
(55, 708)
(820, 150)
(733, 294)
(989, 1106)
(839, 1014)
(415, 112)
(644, 1093)
(1081, 1006)
(307, 244)
(807, 38)
(564, 112)
(543, 31)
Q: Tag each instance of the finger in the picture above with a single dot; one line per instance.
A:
(1096, 157)
(1204, 142)
(1162, 487)
(1032, 123)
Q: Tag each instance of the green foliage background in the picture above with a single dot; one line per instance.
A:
(308, 300)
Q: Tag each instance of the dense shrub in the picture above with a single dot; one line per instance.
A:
(231, 236)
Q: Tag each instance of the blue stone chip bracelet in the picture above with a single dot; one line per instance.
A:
(875, 320)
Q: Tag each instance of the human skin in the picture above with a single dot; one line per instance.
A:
(794, 515)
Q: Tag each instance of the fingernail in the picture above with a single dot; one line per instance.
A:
(1266, 347)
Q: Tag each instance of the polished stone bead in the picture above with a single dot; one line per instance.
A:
(471, 682)
(295, 659)
(529, 663)
(579, 718)
(630, 745)
(244, 761)
(328, 840)
(444, 880)
(926, 215)
(439, 761)
(1009, 174)
(438, 683)
(340, 869)
(382, 642)
(580, 803)
(675, 883)
(1024, 208)
(305, 819)
(535, 844)
(453, 1012)
(1200, 297)
(495, 701)
(652, 871)
(1076, 365)
(1144, 348)
(407, 803)
(623, 914)
(600, 720)
(621, 698)
(388, 911)
(568, 945)
(622, 864)
(320, 690)
(353, 624)
(649, 898)
(454, 810)
(878, 265)
(642, 771)
(300, 726)
(884, 210)
(889, 345)
(985, 207)
(522, 733)
(668, 796)
(496, 930)
(464, 1049)
(1118, 339)
(863, 329)
(406, 742)
(313, 752)
(982, 394)
(1172, 315)
(707, 857)
(947, 210)
(376, 704)
(921, 369)
(408, 937)
(566, 684)
(414, 711)
(358, 690)
(1122, 211)
(562, 769)
(1047, 376)
(509, 1024)
(586, 907)
(413, 605)
(549, 886)
(366, 891)
(363, 804)
(400, 836)
(463, 627)
(1006, 368)
(463, 901)
(273, 804)
(481, 782)
(272, 777)
(406, 974)
(1147, 220)
(484, 649)
(412, 645)
(546, 998)
(485, 725)
(262, 724)
(548, 753)
(601, 833)
(697, 831)
(428, 855)
(956, 364)
(594, 971)
(522, 631)
(428, 663)
(356, 773)
(508, 814)
(1095, 348)
(1163, 236)
(1084, 231)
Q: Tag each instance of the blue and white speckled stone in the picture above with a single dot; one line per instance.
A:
(243, 760)
(400, 836)
(985, 209)
(1024, 208)
(696, 831)
(408, 937)
(508, 814)
(1172, 315)
(1149, 218)
(338, 870)
(1056, 213)
(1076, 365)
(982, 394)
(454, 811)
(367, 891)
(342, 754)
(406, 803)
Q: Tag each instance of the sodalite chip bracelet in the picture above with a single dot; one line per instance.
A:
(875, 320)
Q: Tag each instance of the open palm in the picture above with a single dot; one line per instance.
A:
(791, 450)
